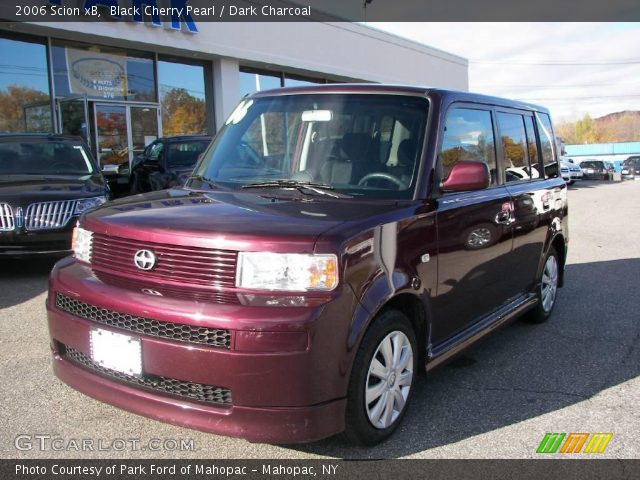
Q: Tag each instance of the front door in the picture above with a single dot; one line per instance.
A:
(144, 128)
(112, 134)
(73, 117)
(123, 131)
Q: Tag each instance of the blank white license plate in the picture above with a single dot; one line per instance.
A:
(116, 351)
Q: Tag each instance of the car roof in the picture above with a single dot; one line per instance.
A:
(379, 88)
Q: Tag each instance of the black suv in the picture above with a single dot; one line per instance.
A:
(166, 163)
(46, 182)
(597, 170)
(631, 168)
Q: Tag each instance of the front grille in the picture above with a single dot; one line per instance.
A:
(171, 386)
(183, 264)
(212, 337)
(6, 218)
(165, 290)
(48, 215)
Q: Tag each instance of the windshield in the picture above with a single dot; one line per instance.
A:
(185, 154)
(44, 158)
(360, 145)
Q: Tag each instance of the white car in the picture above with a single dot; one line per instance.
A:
(570, 172)
(522, 173)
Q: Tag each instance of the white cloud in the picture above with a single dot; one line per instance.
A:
(572, 68)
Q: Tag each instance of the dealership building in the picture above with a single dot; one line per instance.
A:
(121, 84)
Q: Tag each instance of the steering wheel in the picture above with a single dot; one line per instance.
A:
(253, 157)
(383, 176)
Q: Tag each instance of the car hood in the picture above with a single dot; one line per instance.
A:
(275, 221)
(22, 190)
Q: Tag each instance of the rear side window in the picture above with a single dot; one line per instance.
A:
(514, 146)
(546, 144)
(468, 135)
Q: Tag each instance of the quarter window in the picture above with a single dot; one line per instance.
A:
(546, 145)
(468, 135)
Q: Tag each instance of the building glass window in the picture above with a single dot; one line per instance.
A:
(290, 81)
(251, 82)
(182, 98)
(102, 73)
(24, 87)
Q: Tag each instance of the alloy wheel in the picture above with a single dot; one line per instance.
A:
(549, 283)
(389, 380)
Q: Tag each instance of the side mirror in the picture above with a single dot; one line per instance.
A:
(466, 176)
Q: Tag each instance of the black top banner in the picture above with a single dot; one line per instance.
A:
(187, 14)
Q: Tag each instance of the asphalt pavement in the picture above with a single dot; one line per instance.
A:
(579, 372)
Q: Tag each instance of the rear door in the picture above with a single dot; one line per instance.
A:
(519, 150)
(474, 228)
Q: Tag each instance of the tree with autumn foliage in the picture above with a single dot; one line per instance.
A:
(612, 128)
(13, 101)
(182, 113)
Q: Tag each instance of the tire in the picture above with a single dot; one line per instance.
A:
(547, 289)
(370, 422)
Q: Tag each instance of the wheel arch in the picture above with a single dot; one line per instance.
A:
(560, 245)
(413, 304)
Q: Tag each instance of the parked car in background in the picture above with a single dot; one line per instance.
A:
(167, 162)
(522, 173)
(565, 173)
(631, 168)
(334, 242)
(46, 182)
(570, 171)
(597, 170)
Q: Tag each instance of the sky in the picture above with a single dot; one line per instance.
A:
(571, 68)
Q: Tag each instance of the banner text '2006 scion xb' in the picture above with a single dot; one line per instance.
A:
(333, 243)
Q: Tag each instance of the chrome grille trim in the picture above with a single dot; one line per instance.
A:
(7, 223)
(212, 337)
(172, 386)
(48, 215)
(175, 263)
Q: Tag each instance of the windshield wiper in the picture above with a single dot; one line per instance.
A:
(204, 180)
(302, 187)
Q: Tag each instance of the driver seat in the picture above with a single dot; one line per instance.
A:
(354, 147)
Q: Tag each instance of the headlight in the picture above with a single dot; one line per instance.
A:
(81, 244)
(84, 204)
(294, 272)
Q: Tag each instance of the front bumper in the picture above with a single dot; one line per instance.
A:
(286, 392)
(20, 242)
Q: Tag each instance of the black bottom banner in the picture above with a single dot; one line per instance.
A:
(583, 469)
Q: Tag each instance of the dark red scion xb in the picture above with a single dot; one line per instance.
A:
(332, 243)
